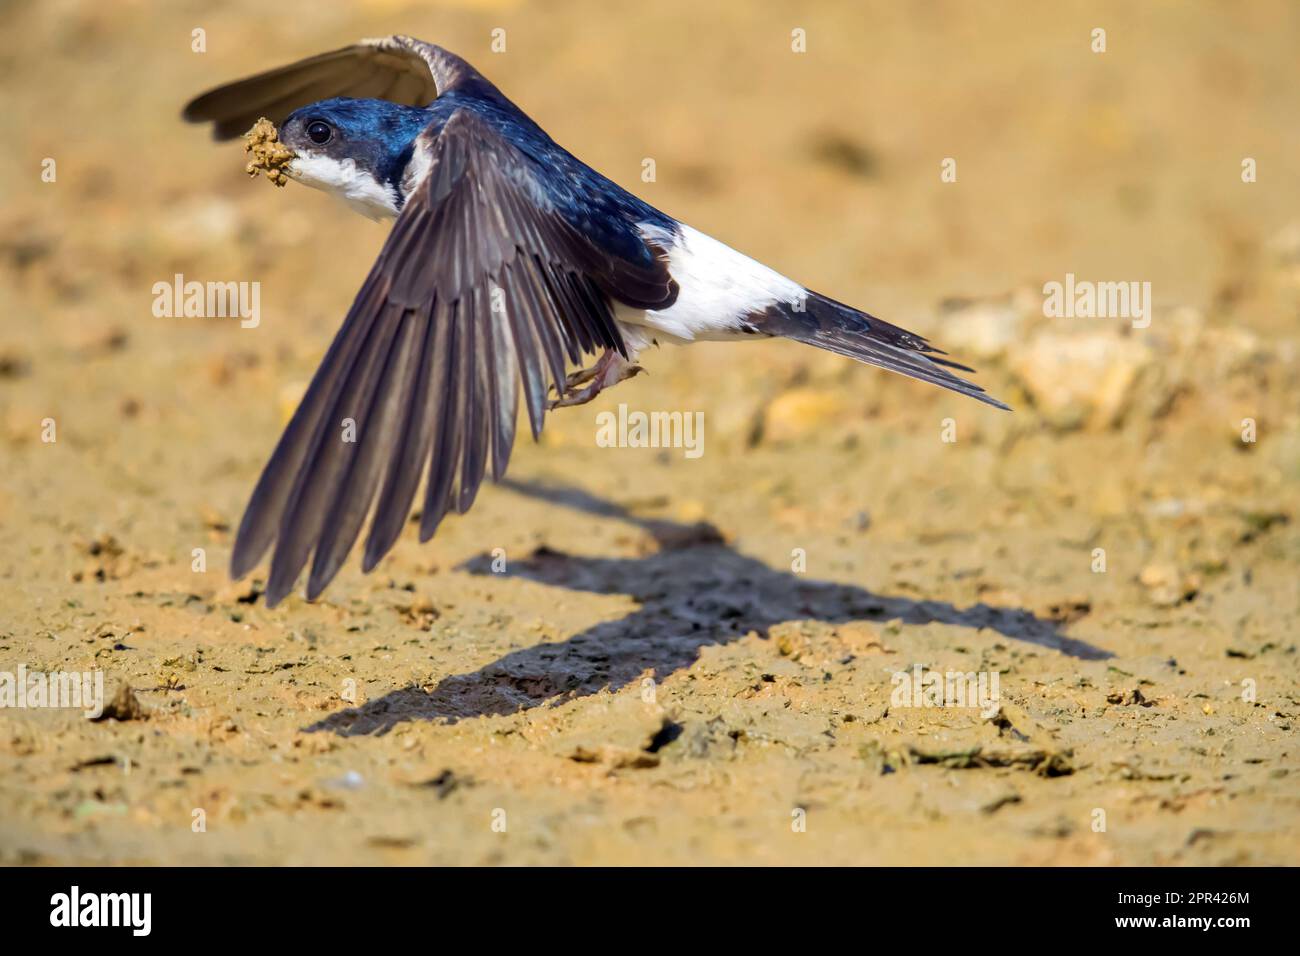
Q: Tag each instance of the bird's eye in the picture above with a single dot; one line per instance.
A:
(319, 132)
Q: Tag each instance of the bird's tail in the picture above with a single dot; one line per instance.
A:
(834, 326)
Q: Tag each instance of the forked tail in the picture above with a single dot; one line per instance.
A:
(834, 326)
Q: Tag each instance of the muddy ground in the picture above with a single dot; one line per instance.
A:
(679, 660)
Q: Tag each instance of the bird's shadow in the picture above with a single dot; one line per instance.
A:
(691, 591)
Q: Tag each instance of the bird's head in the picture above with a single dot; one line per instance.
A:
(357, 150)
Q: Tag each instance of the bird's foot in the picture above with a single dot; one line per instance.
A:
(610, 369)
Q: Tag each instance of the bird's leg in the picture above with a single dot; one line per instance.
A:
(610, 369)
(582, 376)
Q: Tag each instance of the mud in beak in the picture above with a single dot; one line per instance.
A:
(270, 156)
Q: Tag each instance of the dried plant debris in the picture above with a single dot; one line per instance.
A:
(270, 156)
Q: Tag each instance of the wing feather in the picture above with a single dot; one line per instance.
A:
(412, 449)
(445, 454)
(529, 351)
(304, 518)
(396, 68)
(377, 434)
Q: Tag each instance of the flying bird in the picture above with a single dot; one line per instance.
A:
(509, 261)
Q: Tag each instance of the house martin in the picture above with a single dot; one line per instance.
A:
(509, 261)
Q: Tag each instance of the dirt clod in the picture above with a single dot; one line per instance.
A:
(124, 706)
(270, 156)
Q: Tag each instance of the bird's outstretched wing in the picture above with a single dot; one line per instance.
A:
(397, 68)
(482, 287)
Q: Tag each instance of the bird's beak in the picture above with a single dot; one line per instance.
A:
(270, 156)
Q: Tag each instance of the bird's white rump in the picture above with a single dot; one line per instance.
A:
(717, 287)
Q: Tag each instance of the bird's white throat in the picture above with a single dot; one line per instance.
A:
(348, 181)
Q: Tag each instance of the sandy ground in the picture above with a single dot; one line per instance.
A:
(627, 655)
